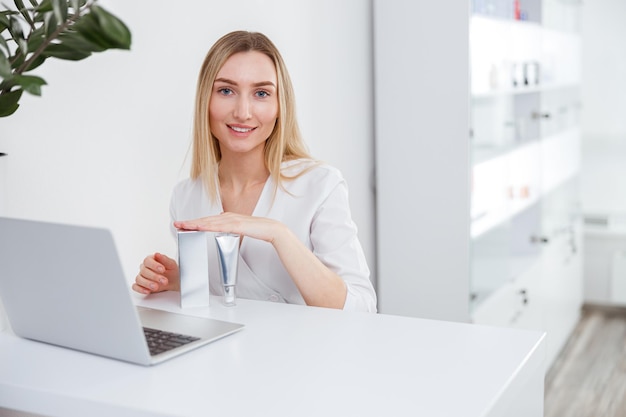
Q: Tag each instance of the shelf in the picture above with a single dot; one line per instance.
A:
(542, 88)
(520, 57)
(484, 153)
(509, 183)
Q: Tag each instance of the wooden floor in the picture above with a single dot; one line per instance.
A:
(588, 379)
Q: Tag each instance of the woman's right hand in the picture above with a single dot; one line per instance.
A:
(157, 273)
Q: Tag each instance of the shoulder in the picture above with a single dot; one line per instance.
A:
(188, 188)
(310, 182)
(310, 171)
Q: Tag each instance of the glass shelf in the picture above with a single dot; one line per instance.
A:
(502, 123)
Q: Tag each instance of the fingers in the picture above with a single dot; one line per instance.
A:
(153, 263)
(165, 261)
(250, 226)
(186, 225)
(151, 276)
(225, 222)
(147, 285)
(142, 290)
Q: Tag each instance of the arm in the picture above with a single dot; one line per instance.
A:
(334, 272)
(334, 240)
(318, 285)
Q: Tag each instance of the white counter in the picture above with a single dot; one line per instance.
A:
(291, 361)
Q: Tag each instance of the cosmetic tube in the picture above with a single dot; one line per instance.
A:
(193, 264)
(228, 254)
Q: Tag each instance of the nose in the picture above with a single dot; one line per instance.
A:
(242, 109)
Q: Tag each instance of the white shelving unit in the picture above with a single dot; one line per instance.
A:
(526, 225)
(477, 222)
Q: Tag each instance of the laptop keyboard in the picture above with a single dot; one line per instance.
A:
(160, 341)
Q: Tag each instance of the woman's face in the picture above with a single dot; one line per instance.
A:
(244, 104)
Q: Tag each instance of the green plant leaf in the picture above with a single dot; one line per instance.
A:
(17, 60)
(44, 6)
(36, 38)
(5, 66)
(4, 44)
(65, 52)
(7, 84)
(38, 16)
(18, 35)
(50, 23)
(76, 40)
(113, 28)
(36, 62)
(15, 28)
(22, 9)
(30, 83)
(4, 22)
(60, 10)
(89, 27)
(9, 102)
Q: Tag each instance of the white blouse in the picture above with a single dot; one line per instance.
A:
(315, 207)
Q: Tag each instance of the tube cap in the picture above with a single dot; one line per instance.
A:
(229, 295)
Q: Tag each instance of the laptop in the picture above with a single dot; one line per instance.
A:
(64, 285)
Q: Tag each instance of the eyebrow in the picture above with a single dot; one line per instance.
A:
(259, 84)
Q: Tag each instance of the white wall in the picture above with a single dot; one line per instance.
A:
(604, 68)
(604, 146)
(107, 141)
(604, 107)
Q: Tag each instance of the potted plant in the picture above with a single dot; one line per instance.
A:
(62, 29)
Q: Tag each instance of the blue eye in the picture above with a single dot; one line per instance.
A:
(225, 91)
(262, 94)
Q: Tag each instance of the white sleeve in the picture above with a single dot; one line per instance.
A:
(173, 214)
(335, 242)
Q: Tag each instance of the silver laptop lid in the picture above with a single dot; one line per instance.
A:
(64, 285)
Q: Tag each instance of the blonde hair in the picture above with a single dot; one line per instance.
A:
(284, 143)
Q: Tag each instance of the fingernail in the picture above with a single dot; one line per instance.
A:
(153, 286)
(163, 281)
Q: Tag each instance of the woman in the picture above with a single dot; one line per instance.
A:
(252, 175)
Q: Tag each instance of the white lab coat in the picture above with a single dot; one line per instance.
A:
(315, 207)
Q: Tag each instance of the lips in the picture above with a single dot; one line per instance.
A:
(241, 129)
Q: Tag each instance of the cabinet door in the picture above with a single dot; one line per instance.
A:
(501, 309)
(562, 265)
(516, 304)
(529, 287)
(515, 276)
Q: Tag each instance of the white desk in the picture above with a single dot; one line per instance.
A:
(291, 361)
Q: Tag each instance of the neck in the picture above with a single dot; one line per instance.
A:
(242, 171)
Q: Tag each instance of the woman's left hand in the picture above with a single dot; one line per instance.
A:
(254, 227)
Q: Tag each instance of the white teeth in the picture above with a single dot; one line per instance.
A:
(241, 129)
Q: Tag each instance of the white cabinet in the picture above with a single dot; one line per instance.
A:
(473, 219)
(604, 205)
(543, 285)
(525, 210)
(422, 158)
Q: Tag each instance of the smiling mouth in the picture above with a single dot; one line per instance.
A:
(241, 129)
